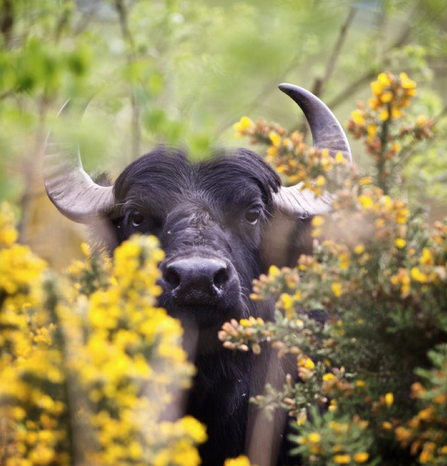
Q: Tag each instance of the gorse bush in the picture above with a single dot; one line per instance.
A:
(88, 362)
(372, 378)
(89, 365)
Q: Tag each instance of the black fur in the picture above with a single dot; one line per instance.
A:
(201, 210)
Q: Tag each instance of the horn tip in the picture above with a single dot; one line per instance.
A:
(284, 87)
(291, 89)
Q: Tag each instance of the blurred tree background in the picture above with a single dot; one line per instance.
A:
(183, 71)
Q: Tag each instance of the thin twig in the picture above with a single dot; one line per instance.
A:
(123, 16)
(7, 21)
(85, 20)
(32, 166)
(7, 93)
(320, 82)
(61, 24)
(131, 58)
(349, 89)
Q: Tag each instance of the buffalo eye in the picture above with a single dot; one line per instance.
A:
(252, 215)
(136, 218)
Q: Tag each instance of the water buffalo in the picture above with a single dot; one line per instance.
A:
(221, 222)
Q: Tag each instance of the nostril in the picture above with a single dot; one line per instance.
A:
(172, 277)
(220, 277)
(196, 280)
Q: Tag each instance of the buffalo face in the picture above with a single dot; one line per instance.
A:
(210, 218)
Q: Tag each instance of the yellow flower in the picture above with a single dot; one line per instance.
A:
(359, 249)
(373, 103)
(366, 202)
(243, 125)
(384, 79)
(403, 279)
(395, 113)
(361, 457)
(306, 362)
(377, 88)
(19, 268)
(245, 323)
(333, 406)
(314, 437)
(384, 115)
(389, 399)
(18, 413)
(336, 289)
(386, 97)
(427, 257)
(342, 459)
(402, 435)
(86, 249)
(274, 271)
(406, 82)
(273, 151)
(372, 131)
(302, 417)
(421, 121)
(329, 376)
(367, 180)
(275, 138)
(427, 453)
(344, 259)
(318, 221)
(400, 243)
(8, 232)
(402, 216)
(320, 181)
(239, 461)
(340, 159)
(426, 414)
(195, 429)
(357, 116)
(417, 275)
(287, 301)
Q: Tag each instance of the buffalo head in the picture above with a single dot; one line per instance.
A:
(213, 219)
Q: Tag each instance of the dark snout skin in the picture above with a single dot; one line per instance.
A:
(202, 288)
(196, 279)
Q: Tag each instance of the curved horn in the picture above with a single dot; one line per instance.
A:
(327, 133)
(68, 186)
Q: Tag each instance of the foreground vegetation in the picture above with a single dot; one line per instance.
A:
(88, 363)
(373, 378)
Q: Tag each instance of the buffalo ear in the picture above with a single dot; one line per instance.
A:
(102, 231)
(103, 235)
(286, 237)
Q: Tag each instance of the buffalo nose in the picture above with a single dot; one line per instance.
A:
(196, 279)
